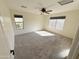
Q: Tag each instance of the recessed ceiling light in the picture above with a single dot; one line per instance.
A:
(23, 6)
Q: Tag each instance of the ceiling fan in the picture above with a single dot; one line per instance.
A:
(43, 10)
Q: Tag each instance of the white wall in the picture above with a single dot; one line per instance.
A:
(4, 48)
(70, 26)
(32, 22)
(6, 31)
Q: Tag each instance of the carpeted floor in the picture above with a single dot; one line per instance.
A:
(34, 46)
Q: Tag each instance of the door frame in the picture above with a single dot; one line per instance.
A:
(73, 54)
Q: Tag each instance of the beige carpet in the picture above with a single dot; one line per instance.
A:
(34, 46)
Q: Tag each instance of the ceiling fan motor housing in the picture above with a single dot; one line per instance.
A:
(43, 10)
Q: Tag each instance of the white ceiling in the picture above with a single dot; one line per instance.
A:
(35, 5)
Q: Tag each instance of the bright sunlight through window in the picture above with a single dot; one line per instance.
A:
(64, 53)
(57, 22)
(19, 22)
(44, 33)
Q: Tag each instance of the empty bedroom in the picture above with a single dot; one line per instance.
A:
(39, 29)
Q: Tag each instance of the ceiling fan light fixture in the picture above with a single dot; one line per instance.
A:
(43, 10)
(64, 2)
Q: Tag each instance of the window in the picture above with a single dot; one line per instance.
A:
(19, 21)
(57, 22)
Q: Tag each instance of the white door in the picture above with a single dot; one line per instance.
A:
(4, 46)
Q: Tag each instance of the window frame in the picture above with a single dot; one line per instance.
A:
(57, 18)
(19, 16)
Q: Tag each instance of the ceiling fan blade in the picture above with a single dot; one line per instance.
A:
(46, 12)
(49, 11)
